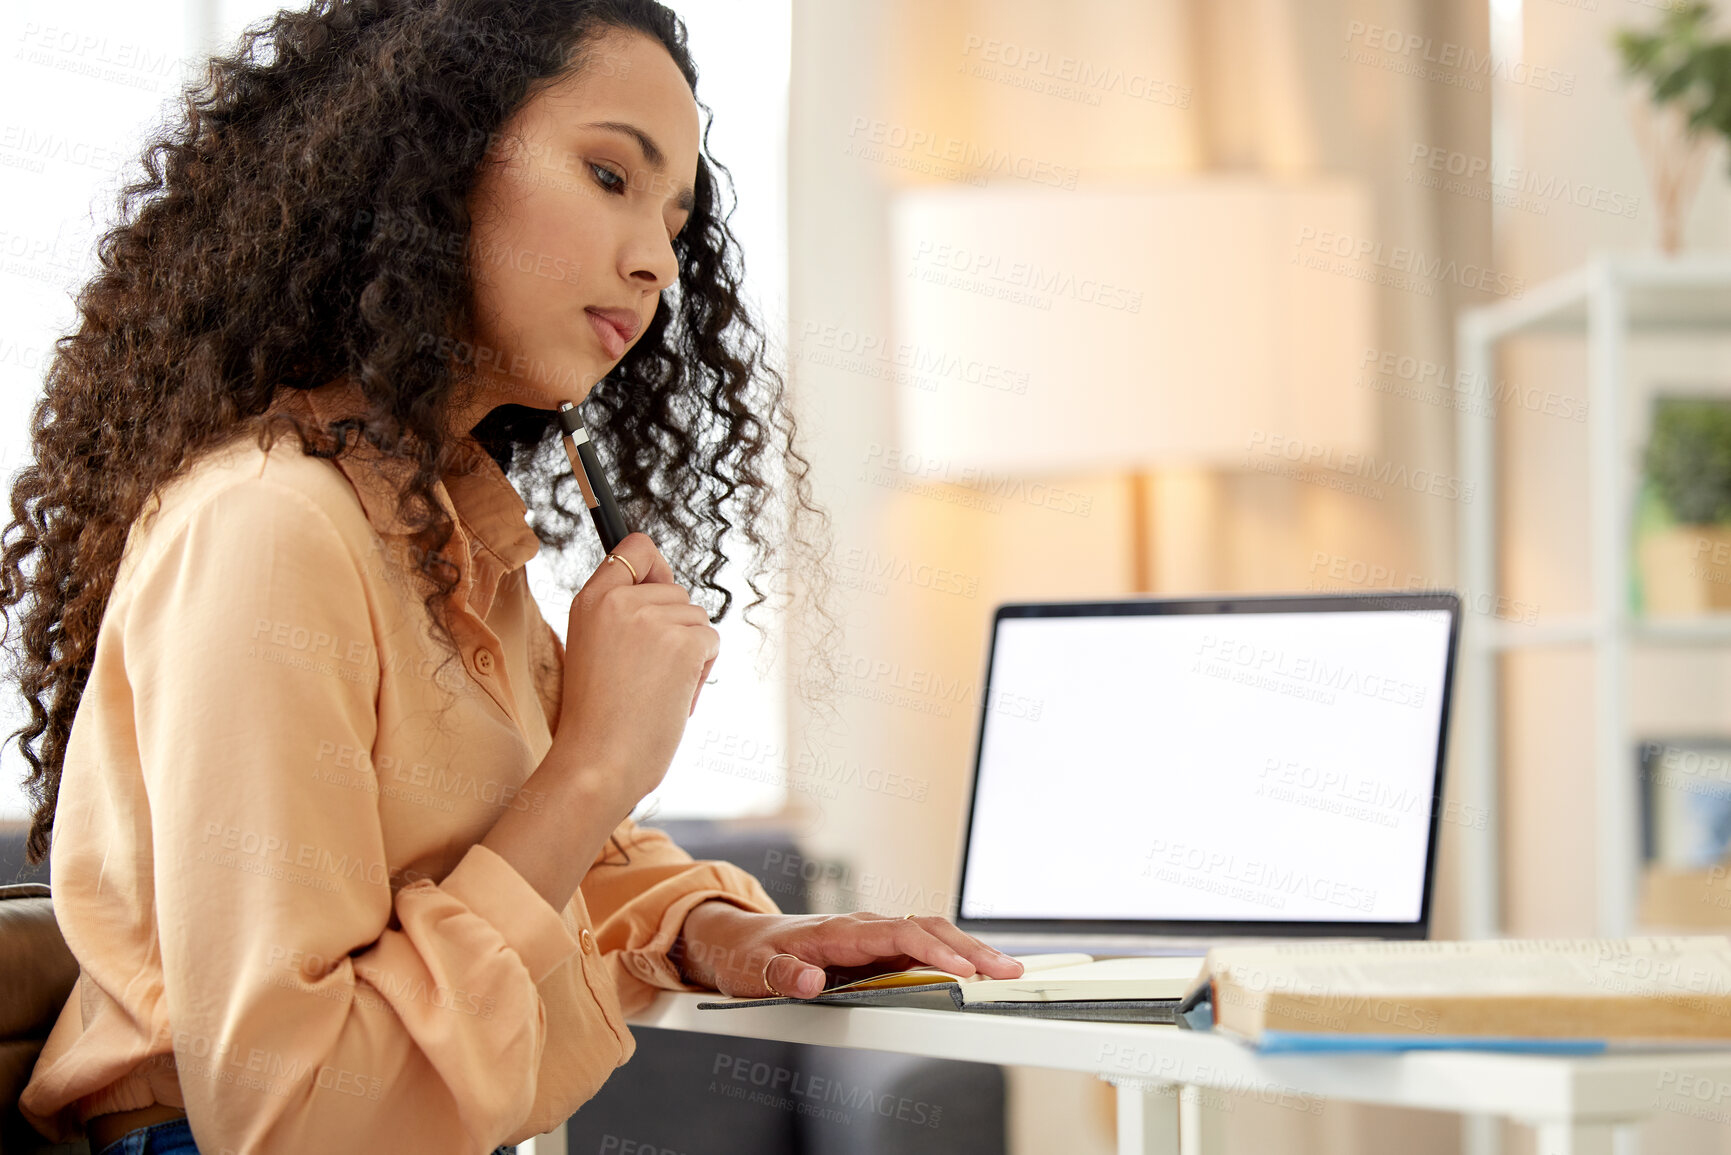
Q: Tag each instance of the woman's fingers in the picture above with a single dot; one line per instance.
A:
(789, 976)
(657, 587)
(640, 551)
(931, 940)
(869, 944)
(702, 677)
(991, 963)
(887, 936)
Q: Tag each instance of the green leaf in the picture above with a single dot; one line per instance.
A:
(1688, 458)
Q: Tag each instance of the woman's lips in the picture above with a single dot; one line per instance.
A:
(612, 336)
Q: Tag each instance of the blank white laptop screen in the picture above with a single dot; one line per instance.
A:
(1267, 766)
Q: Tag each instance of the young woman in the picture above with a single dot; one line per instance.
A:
(340, 830)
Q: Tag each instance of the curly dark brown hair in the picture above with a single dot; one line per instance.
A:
(281, 238)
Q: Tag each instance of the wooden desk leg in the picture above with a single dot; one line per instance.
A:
(1575, 1138)
(1147, 1117)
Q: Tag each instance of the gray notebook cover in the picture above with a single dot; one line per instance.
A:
(948, 997)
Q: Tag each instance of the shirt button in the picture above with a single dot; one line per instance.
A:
(484, 661)
(588, 941)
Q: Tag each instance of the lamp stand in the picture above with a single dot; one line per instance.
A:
(1141, 540)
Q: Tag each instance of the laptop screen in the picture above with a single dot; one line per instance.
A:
(1255, 761)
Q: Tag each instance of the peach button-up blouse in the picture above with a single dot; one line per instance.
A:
(266, 851)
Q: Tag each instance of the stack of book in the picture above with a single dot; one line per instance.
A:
(1546, 995)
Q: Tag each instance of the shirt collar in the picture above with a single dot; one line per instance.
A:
(475, 492)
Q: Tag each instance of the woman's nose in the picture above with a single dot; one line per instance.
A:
(651, 262)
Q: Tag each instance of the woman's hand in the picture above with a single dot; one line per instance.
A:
(636, 655)
(726, 948)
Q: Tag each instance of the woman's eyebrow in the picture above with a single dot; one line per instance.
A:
(652, 154)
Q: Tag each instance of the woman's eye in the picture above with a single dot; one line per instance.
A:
(607, 178)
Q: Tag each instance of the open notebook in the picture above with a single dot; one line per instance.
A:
(1067, 986)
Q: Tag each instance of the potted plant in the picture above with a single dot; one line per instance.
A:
(1688, 101)
(1684, 527)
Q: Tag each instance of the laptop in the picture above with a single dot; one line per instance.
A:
(1160, 776)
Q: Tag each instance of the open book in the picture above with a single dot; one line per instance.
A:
(1051, 986)
(1518, 994)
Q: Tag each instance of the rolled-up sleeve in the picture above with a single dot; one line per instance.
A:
(317, 1003)
(639, 900)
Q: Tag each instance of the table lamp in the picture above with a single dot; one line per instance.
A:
(1125, 328)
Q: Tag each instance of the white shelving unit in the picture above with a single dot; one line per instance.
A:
(1610, 301)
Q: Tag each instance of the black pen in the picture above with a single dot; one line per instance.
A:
(586, 468)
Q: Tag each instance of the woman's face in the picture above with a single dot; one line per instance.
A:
(574, 216)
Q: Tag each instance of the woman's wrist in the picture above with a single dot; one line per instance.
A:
(552, 844)
(592, 784)
(700, 950)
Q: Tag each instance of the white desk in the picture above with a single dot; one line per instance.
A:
(1577, 1104)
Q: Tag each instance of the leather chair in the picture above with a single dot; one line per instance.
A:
(37, 974)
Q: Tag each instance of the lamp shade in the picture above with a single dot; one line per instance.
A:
(1167, 323)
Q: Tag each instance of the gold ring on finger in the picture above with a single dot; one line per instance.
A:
(766, 982)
